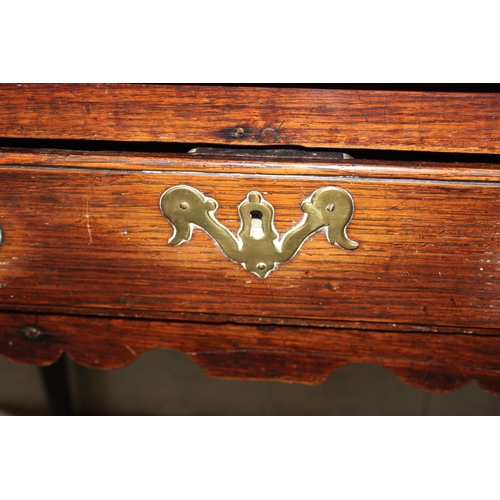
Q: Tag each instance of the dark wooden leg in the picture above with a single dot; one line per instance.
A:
(55, 380)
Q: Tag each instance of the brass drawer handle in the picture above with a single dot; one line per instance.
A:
(257, 245)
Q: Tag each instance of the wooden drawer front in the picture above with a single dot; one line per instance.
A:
(94, 239)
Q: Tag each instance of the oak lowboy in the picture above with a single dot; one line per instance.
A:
(106, 255)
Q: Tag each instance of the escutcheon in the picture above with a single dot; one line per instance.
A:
(257, 245)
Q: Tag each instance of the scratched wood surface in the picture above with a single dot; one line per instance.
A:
(330, 118)
(293, 354)
(94, 241)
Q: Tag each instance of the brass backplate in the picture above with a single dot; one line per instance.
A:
(257, 246)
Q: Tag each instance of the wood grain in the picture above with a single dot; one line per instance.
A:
(93, 241)
(326, 118)
(289, 354)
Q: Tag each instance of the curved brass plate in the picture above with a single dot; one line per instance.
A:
(258, 246)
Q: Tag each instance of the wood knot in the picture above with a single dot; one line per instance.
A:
(269, 135)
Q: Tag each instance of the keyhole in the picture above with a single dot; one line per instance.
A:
(256, 230)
